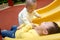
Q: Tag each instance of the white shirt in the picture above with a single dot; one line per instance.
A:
(25, 17)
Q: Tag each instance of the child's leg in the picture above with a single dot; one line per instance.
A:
(6, 33)
(11, 33)
(14, 28)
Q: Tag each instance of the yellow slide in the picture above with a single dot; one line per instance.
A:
(49, 9)
(48, 13)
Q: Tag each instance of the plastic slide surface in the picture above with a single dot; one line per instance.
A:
(49, 13)
(49, 9)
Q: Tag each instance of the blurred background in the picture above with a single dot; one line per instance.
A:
(15, 1)
(9, 10)
(6, 3)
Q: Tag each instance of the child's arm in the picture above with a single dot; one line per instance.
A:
(34, 25)
(20, 26)
(36, 14)
(28, 27)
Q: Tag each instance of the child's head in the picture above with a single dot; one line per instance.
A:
(30, 5)
(47, 28)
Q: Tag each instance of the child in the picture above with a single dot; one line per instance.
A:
(27, 31)
(28, 13)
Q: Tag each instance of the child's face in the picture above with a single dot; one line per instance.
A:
(31, 6)
(42, 29)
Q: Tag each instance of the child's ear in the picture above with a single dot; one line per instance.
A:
(45, 32)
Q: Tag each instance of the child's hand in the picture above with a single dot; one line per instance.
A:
(18, 28)
(34, 25)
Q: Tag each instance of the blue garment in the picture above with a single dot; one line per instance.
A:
(10, 33)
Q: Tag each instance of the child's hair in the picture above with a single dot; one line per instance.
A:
(30, 5)
(54, 29)
(30, 2)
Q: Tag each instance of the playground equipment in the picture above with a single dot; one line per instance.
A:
(49, 13)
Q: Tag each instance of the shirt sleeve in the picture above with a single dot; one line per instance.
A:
(20, 15)
(23, 30)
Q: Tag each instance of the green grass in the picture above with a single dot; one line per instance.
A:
(14, 3)
(1, 2)
(19, 3)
